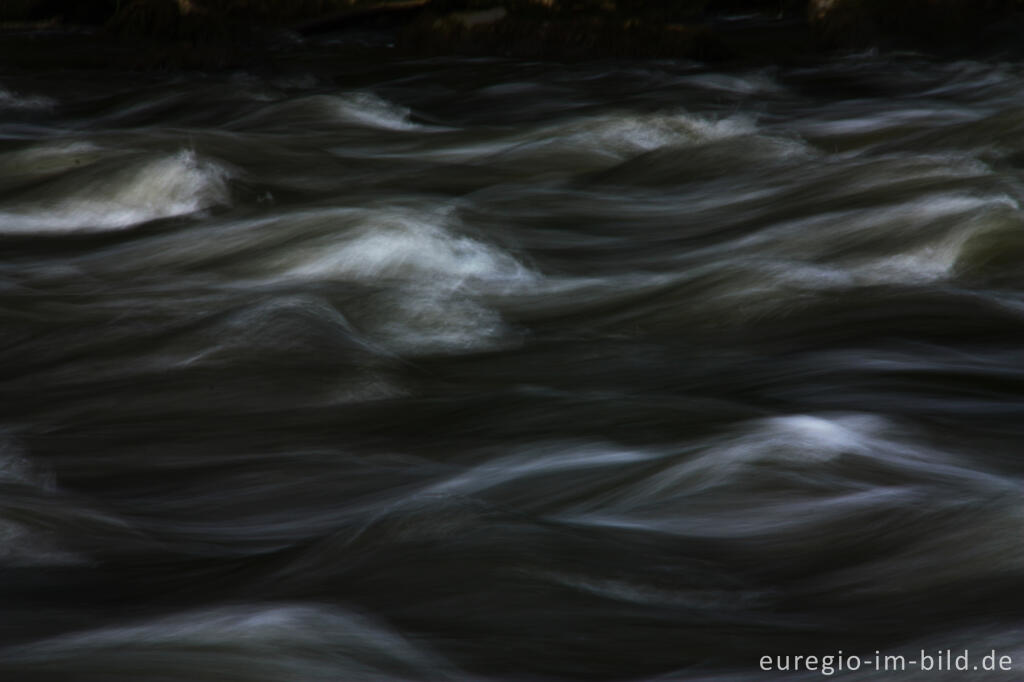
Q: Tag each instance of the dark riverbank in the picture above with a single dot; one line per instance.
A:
(231, 33)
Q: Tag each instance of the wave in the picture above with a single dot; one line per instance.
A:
(435, 282)
(32, 507)
(360, 109)
(45, 160)
(14, 101)
(149, 190)
(590, 143)
(254, 643)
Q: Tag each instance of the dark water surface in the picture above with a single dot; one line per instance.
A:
(492, 370)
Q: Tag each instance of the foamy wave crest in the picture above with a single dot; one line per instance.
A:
(797, 472)
(943, 229)
(399, 244)
(370, 110)
(931, 239)
(172, 186)
(363, 109)
(632, 134)
(433, 281)
(597, 142)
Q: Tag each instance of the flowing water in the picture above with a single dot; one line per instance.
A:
(492, 370)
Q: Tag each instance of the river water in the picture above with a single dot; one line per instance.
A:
(464, 369)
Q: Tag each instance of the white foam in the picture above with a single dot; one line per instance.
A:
(599, 140)
(363, 109)
(625, 135)
(798, 440)
(404, 245)
(425, 322)
(163, 188)
(434, 280)
(370, 110)
(938, 246)
(789, 474)
(914, 242)
(936, 260)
